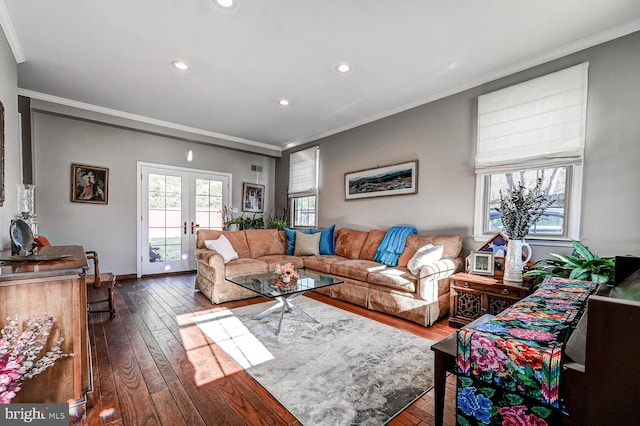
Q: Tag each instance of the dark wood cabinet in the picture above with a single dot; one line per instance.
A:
(472, 296)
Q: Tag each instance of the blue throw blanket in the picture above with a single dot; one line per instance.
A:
(392, 245)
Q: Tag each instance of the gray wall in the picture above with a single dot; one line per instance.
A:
(441, 135)
(60, 141)
(9, 97)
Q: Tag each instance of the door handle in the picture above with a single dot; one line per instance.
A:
(193, 227)
(185, 228)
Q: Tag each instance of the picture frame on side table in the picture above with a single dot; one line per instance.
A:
(252, 197)
(498, 266)
(481, 263)
(394, 179)
(89, 184)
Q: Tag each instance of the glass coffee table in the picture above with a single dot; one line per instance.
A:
(269, 285)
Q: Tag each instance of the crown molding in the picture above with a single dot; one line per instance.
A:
(10, 33)
(142, 119)
(560, 52)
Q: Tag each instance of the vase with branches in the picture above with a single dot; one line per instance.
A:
(520, 208)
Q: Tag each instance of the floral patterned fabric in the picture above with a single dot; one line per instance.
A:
(509, 368)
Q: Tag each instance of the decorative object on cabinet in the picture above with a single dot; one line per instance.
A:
(481, 263)
(252, 197)
(394, 179)
(471, 296)
(89, 184)
(22, 240)
(520, 208)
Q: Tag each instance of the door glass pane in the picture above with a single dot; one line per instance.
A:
(209, 203)
(165, 217)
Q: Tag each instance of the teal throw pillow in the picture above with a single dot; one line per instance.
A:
(291, 240)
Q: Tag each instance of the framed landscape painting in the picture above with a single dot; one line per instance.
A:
(394, 179)
(89, 184)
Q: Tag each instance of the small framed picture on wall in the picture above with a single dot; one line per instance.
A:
(252, 197)
(89, 184)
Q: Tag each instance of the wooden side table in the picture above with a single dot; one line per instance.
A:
(472, 296)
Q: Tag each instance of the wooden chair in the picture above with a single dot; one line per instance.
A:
(104, 280)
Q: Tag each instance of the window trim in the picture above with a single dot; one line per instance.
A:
(572, 209)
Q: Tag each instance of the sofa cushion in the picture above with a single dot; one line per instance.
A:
(326, 239)
(307, 244)
(349, 242)
(321, 263)
(425, 255)
(397, 277)
(245, 267)
(291, 240)
(274, 259)
(223, 247)
(206, 234)
(452, 246)
(371, 244)
(264, 242)
(356, 269)
(239, 243)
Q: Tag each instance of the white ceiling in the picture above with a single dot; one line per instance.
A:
(116, 56)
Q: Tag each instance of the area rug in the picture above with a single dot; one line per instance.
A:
(345, 370)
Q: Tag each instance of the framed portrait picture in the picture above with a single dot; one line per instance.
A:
(395, 179)
(89, 184)
(481, 263)
(252, 197)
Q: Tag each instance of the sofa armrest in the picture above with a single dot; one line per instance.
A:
(429, 276)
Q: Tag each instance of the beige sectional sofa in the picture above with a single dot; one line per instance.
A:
(421, 298)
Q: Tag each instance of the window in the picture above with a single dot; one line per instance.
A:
(554, 185)
(530, 131)
(303, 187)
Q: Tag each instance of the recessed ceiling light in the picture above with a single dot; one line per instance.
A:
(283, 102)
(180, 65)
(343, 68)
(225, 4)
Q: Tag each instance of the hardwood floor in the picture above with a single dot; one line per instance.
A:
(151, 366)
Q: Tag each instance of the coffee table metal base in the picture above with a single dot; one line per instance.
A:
(283, 303)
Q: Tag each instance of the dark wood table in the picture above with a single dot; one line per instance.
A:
(445, 352)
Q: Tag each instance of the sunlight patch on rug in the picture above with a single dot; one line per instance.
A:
(231, 335)
(345, 370)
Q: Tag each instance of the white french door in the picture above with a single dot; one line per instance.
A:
(174, 203)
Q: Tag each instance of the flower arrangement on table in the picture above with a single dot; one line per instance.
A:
(287, 274)
(521, 209)
(19, 352)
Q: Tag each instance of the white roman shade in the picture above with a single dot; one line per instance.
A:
(538, 123)
(303, 173)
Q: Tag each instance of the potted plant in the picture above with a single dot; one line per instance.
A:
(520, 208)
(582, 264)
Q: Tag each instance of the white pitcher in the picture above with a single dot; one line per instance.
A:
(514, 264)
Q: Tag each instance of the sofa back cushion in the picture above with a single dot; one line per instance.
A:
(452, 246)
(371, 244)
(236, 238)
(349, 242)
(265, 242)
